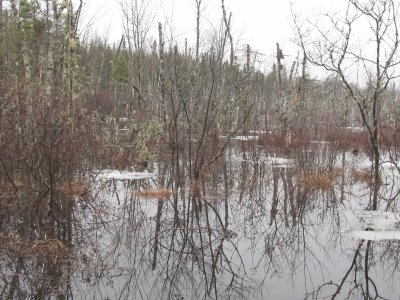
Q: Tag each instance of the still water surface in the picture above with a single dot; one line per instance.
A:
(252, 228)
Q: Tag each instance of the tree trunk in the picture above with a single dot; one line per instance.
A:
(163, 104)
(228, 31)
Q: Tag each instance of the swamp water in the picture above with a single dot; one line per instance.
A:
(253, 228)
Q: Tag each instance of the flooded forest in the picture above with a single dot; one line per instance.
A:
(162, 167)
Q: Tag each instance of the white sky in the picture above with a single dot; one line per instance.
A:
(260, 23)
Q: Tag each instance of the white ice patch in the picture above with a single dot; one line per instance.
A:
(124, 175)
(379, 220)
(390, 165)
(380, 225)
(355, 128)
(281, 161)
(259, 131)
(377, 235)
(320, 142)
(245, 138)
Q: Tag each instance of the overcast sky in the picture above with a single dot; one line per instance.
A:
(260, 23)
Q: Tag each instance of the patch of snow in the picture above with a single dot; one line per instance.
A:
(377, 235)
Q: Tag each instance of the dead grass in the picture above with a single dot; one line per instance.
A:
(43, 249)
(155, 193)
(361, 176)
(318, 181)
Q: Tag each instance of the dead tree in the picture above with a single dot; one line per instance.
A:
(378, 59)
(227, 22)
(288, 95)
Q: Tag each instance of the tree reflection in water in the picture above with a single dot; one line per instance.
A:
(248, 229)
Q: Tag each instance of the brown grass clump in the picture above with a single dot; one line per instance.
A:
(156, 193)
(42, 249)
(318, 181)
(75, 188)
(361, 176)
